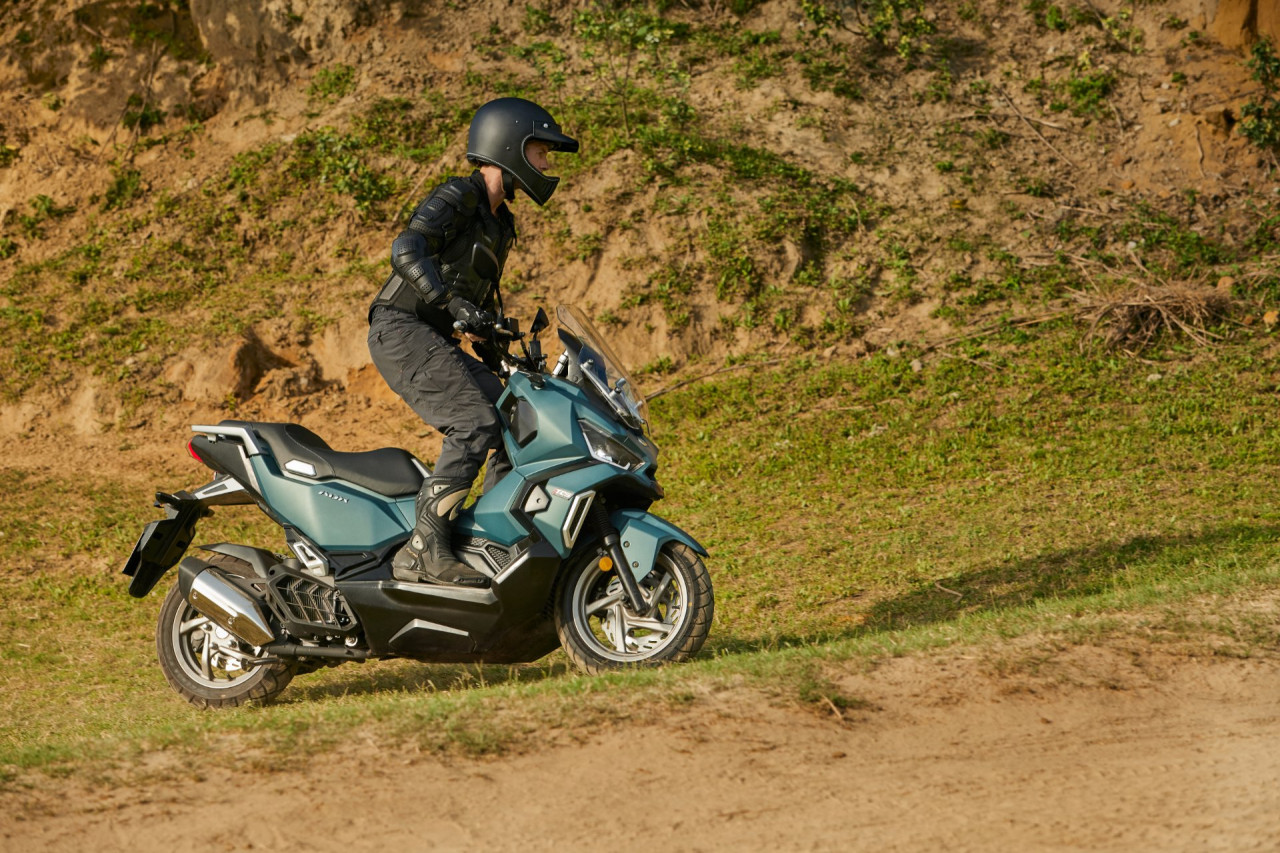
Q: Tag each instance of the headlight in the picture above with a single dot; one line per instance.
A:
(606, 448)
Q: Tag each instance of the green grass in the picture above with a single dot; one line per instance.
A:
(332, 84)
(852, 510)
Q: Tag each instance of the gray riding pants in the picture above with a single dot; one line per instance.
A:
(448, 388)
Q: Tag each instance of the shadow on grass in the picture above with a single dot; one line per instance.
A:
(408, 676)
(1010, 584)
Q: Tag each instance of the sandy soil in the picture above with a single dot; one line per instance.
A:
(1142, 754)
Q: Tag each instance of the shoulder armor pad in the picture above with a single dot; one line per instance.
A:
(460, 194)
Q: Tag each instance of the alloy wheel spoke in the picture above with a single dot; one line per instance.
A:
(237, 654)
(191, 625)
(620, 627)
(656, 625)
(205, 667)
(601, 603)
(655, 599)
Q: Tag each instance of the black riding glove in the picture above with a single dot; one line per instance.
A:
(474, 320)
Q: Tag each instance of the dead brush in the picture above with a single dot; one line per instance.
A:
(1132, 319)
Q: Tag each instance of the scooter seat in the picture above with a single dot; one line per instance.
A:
(388, 471)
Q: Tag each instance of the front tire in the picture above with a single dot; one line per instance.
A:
(208, 666)
(600, 633)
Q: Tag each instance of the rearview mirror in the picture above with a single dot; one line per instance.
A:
(540, 322)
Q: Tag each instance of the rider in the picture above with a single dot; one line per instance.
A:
(445, 270)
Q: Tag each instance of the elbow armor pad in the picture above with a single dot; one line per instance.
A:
(411, 260)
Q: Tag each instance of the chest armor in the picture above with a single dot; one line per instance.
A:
(471, 265)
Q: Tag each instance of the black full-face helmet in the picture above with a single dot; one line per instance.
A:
(498, 135)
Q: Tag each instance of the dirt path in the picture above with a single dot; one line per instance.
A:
(943, 759)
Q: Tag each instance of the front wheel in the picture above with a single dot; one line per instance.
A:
(599, 632)
(207, 665)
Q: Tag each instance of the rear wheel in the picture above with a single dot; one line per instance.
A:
(207, 665)
(599, 632)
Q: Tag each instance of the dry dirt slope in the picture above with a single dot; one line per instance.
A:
(242, 282)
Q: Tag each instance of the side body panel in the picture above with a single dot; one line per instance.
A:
(334, 514)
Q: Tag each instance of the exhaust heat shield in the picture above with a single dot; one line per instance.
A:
(215, 594)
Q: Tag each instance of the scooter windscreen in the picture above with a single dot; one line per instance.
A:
(603, 368)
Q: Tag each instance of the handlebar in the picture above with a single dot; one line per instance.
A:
(494, 331)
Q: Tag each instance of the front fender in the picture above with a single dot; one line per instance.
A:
(643, 535)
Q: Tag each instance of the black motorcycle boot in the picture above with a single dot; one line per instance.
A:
(428, 555)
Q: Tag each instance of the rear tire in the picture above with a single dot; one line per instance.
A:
(598, 631)
(205, 663)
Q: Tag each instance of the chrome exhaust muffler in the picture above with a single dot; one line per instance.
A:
(216, 595)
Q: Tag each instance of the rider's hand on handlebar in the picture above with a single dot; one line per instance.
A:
(470, 319)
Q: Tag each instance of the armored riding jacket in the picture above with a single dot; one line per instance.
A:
(454, 247)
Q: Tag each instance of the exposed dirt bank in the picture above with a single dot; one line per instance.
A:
(1101, 750)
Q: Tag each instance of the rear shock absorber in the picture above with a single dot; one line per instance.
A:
(612, 543)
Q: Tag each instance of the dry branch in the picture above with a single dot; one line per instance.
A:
(1131, 320)
(1028, 123)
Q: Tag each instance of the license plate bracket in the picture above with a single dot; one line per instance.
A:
(163, 542)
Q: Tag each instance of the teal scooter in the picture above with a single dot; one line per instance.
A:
(574, 557)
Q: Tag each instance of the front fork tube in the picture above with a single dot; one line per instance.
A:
(612, 543)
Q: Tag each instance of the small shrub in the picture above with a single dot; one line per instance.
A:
(1088, 91)
(46, 208)
(333, 160)
(899, 25)
(537, 21)
(1260, 119)
(1036, 187)
(896, 25)
(993, 138)
(141, 114)
(332, 84)
(99, 58)
(1048, 16)
(587, 246)
(1123, 32)
(125, 187)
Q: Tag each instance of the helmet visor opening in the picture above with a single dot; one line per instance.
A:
(551, 135)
